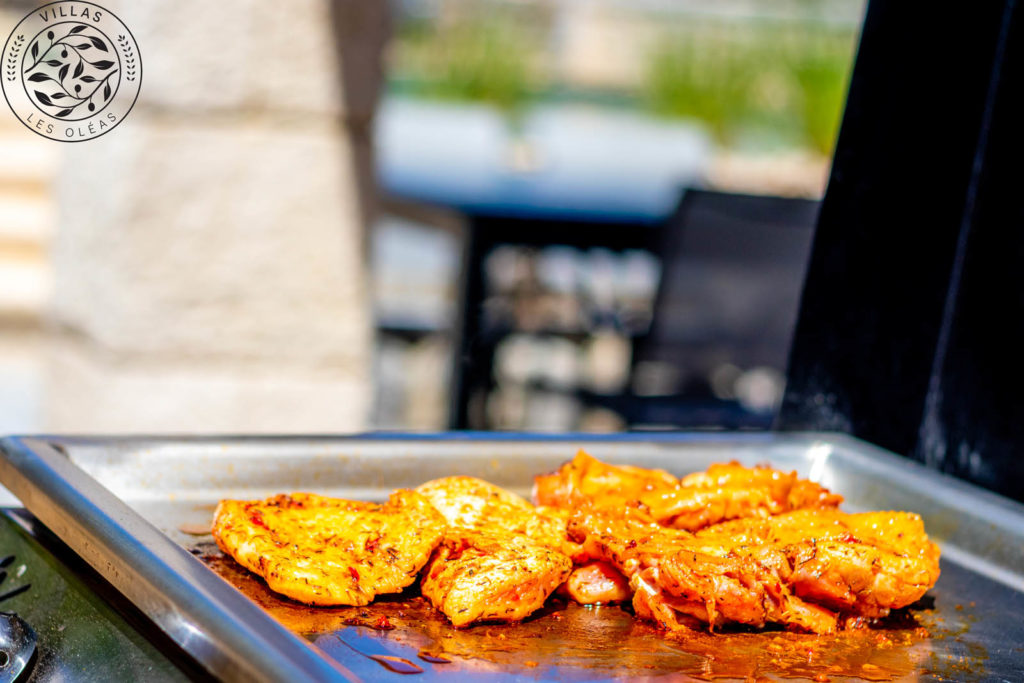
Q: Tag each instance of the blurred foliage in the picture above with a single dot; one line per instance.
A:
(823, 80)
(687, 79)
(791, 80)
(783, 81)
(474, 56)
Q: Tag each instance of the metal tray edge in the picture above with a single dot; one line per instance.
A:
(91, 521)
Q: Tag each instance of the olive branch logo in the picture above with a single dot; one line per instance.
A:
(129, 58)
(49, 66)
(11, 68)
(70, 70)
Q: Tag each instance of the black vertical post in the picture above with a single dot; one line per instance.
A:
(467, 326)
(911, 318)
(973, 425)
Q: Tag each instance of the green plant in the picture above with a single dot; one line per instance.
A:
(482, 59)
(787, 79)
(822, 77)
(694, 78)
(749, 81)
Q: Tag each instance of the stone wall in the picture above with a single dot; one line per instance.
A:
(209, 270)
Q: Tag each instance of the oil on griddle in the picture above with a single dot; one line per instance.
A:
(602, 640)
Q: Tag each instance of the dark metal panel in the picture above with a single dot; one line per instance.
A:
(974, 413)
(901, 202)
(83, 625)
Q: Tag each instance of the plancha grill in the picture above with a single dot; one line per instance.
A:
(133, 508)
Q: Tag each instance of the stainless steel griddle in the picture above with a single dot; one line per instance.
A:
(131, 506)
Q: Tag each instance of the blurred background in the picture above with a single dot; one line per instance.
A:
(500, 214)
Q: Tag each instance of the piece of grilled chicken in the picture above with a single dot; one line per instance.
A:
(330, 551)
(471, 503)
(731, 491)
(862, 564)
(596, 583)
(803, 569)
(587, 480)
(723, 492)
(490, 576)
(501, 557)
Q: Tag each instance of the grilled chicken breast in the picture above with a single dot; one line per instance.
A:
(501, 557)
(587, 480)
(597, 583)
(329, 551)
(471, 503)
(490, 576)
(802, 569)
(730, 545)
(731, 491)
(723, 492)
(862, 564)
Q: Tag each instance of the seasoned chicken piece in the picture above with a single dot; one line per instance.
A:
(723, 492)
(690, 589)
(796, 569)
(622, 537)
(597, 583)
(490, 576)
(732, 491)
(786, 488)
(591, 583)
(679, 581)
(468, 502)
(329, 551)
(584, 479)
(863, 564)
(471, 503)
(501, 557)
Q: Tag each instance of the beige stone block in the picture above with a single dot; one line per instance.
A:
(202, 56)
(235, 241)
(89, 390)
(208, 257)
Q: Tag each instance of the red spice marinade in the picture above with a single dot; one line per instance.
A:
(611, 640)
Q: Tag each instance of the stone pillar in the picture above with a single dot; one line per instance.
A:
(209, 269)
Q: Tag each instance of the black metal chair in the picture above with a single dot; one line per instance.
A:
(476, 341)
(733, 269)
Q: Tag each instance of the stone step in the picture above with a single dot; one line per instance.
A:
(25, 285)
(27, 160)
(28, 165)
(26, 218)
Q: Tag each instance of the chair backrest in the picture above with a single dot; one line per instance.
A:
(733, 268)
